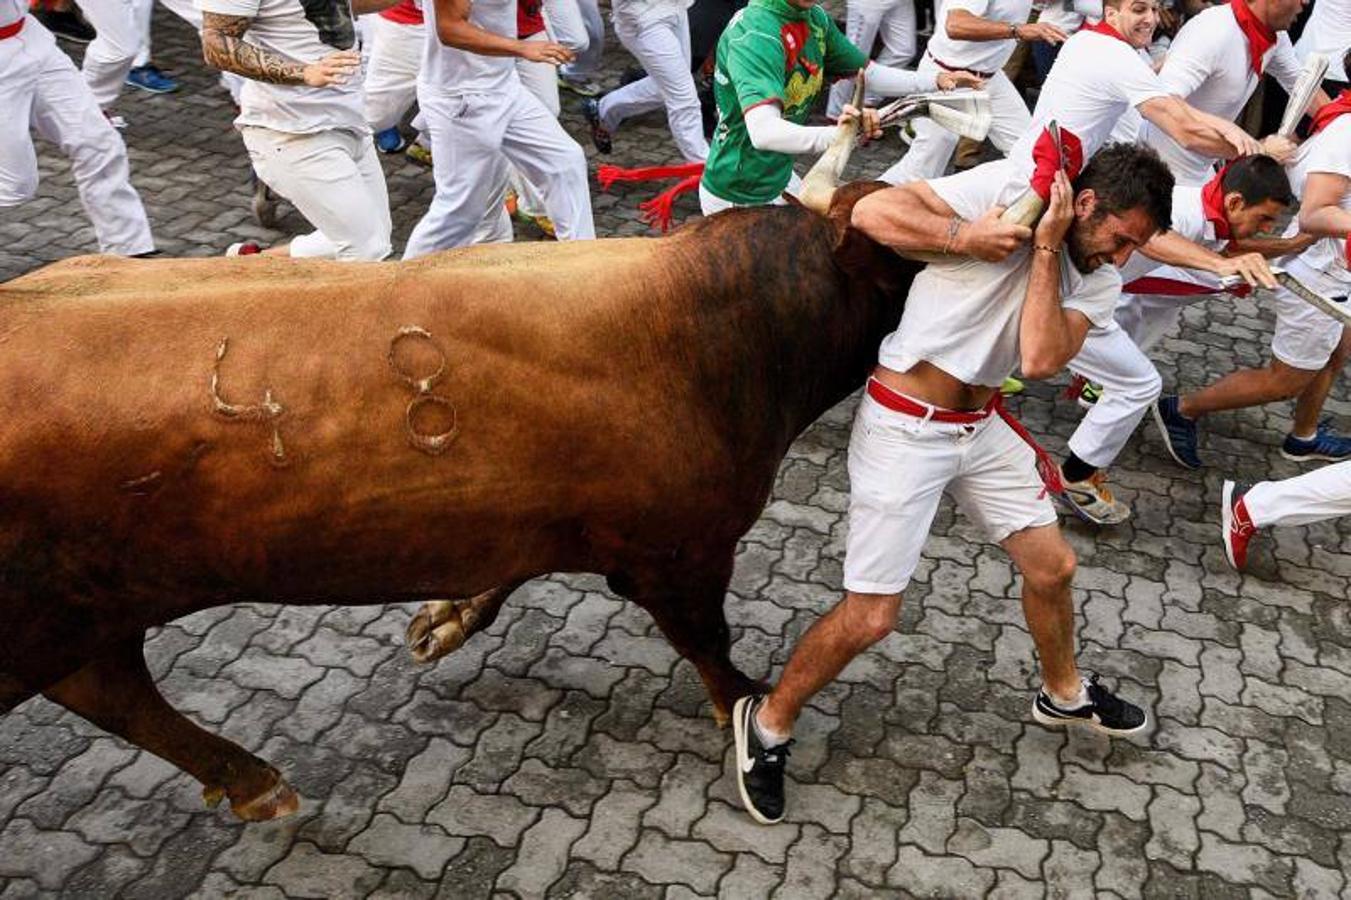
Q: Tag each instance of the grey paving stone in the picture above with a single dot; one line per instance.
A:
(812, 864)
(498, 816)
(388, 843)
(308, 872)
(44, 856)
(662, 860)
(614, 823)
(682, 795)
(938, 876)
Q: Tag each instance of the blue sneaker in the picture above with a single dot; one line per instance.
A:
(391, 140)
(149, 78)
(1178, 432)
(1325, 444)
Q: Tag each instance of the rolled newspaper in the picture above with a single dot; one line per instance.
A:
(1309, 81)
(1337, 309)
(965, 113)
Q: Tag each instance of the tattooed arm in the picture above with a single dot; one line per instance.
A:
(224, 47)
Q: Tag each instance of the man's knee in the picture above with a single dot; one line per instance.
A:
(871, 617)
(1287, 382)
(1053, 572)
(1145, 387)
(372, 247)
(18, 187)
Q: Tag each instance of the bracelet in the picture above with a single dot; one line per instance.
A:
(1054, 251)
(1013, 30)
(954, 228)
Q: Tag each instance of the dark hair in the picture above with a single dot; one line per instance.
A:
(1258, 179)
(1129, 176)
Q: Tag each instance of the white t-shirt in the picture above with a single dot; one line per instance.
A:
(1069, 15)
(1328, 151)
(12, 11)
(962, 315)
(1189, 221)
(1328, 31)
(1095, 82)
(979, 56)
(305, 33)
(647, 10)
(1208, 67)
(451, 71)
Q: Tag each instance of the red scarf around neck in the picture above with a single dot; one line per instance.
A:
(1329, 111)
(1103, 28)
(1212, 204)
(1260, 36)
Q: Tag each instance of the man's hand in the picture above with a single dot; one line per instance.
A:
(868, 128)
(1252, 267)
(1279, 148)
(1041, 31)
(1055, 222)
(951, 81)
(1242, 142)
(990, 238)
(546, 52)
(336, 68)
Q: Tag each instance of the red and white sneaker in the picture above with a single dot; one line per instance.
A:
(244, 248)
(1235, 524)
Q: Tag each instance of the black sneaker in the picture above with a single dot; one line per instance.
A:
(759, 769)
(600, 135)
(1104, 711)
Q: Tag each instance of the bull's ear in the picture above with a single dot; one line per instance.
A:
(842, 204)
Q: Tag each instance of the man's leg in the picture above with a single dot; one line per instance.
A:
(1312, 497)
(541, 80)
(1309, 404)
(110, 55)
(1047, 565)
(391, 75)
(1009, 117)
(587, 64)
(899, 38)
(861, 22)
(64, 112)
(18, 74)
(551, 160)
(931, 150)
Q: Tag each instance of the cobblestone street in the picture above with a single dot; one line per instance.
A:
(568, 752)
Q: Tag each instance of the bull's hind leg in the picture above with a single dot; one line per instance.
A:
(688, 607)
(117, 694)
(442, 626)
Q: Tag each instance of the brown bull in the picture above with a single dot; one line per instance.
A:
(183, 434)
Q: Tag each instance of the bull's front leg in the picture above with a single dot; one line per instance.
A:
(442, 626)
(688, 608)
(118, 694)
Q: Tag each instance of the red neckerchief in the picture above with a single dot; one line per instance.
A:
(1212, 204)
(1260, 36)
(1329, 111)
(1045, 160)
(1103, 28)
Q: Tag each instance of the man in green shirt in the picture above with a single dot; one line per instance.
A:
(772, 62)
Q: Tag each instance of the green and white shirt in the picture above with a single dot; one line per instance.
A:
(771, 52)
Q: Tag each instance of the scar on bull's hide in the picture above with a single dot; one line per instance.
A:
(151, 484)
(430, 419)
(269, 411)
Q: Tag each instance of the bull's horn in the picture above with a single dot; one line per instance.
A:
(818, 188)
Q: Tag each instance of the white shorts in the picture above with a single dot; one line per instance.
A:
(899, 466)
(1305, 337)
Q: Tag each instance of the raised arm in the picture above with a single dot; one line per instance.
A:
(224, 47)
(912, 218)
(964, 25)
(1197, 131)
(454, 29)
(1048, 334)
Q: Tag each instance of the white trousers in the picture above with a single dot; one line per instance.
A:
(333, 178)
(662, 45)
(1321, 494)
(587, 63)
(1130, 385)
(40, 87)
(1148, 318)
(391, 74)
(111, 53)
(541, 80)
(894, 20)
(932, 149)
(474, 137)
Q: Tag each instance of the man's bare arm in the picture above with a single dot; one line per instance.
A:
(454, 29)
(1198, 131)
(1048, 334)
(964, 25)
(224, 48)
(1173, 249)
(1320, 209)
(1271, 247)
(912, 218)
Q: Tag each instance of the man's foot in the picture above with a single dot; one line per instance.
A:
(1011, 386)
(244, 248)
(1325, 444)
(391, 140)
(149, 78)
(1104, 711)
(582, 87)
(759, 770)
(1089, 395)
(68, 25)
(264, 204)
(419, 154)
(600, 135)
(1236, 525)
(118, 122)
(1092, 501)
(1178, 432)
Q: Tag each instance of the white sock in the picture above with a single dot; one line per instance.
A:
(1068, 703)
(1304, 437)
(766, 737)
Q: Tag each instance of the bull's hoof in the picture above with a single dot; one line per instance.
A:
(274, 803)
(722, 712)
(435, 631)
